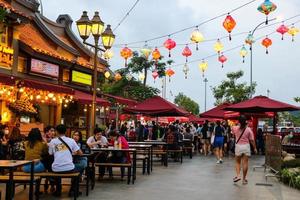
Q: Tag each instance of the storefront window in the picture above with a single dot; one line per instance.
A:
(22, 63)
(66, 75)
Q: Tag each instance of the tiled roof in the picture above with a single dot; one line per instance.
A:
(6, 5)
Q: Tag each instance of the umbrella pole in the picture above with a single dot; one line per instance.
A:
(274, 122)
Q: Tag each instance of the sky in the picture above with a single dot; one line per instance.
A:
(277, 72)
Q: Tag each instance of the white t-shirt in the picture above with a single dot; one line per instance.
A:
(63, 160)
(92, 139)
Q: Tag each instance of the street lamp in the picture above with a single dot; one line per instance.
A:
(86, 27)
(205, 92)
(251, 51)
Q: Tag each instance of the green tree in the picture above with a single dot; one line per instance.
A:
(187, 103)
(230, 91)
(139, 64)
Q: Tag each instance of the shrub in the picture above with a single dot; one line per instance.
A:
(291, 164)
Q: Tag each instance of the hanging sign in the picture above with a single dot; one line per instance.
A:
(45, 68)
(6, 56)
(82, 78)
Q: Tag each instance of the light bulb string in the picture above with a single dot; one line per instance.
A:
(212, 39)
(191, 27)
(228, 50)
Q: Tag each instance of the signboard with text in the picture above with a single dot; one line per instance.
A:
(44, 68)
(82, 78)
(6, 56)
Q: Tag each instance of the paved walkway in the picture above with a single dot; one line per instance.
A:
(198, 178)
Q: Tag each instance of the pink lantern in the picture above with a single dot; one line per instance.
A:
(170, 44)
(186, 52)
(282, 30)
(222, 59)
(154, 75)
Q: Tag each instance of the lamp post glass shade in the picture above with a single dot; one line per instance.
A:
(108, 37)
(97, 25)
(84, 26)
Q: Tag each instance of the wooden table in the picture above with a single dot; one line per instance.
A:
(133, 151)
(12, 165)
(153, 143)
(149, 149)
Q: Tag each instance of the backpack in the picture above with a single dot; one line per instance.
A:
(170, 138)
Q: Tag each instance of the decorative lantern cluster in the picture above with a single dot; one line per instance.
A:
(118, 76)
(170, 72)
(293, 31)
(243, 52)
(186, 52)
(126, 53)
(146, 51)
(155, 75)
(156, 55)
(185, 70)
(203, 67)
(222, 59)
(229, 24)
(218, 47)
(282, 29)
(266, 43)
(266, 8)
(169, 44)
(197, 37)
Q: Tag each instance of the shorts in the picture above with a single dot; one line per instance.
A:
(205, 141)
(242, 149)
(219, 141)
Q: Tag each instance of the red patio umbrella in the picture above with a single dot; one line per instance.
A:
(217, 112)
(193, 118)
(156, 106)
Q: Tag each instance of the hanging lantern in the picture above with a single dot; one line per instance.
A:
(108, 54)
(203, 67)
(142, 77)
(154, 75)
(118, 76)
(222, 59)
(169, 44)
(218, 47)
(243, 53)
(197, 37)
(266, 43)
(266, 8)
(229, 24)
(249, 39)
(170, 73)
(107, 74)
(126, 53)
(128, 77)
(185, 70)
(146, 51)
(293, 31)
(156, 55)
(186, 52)
(282, 30)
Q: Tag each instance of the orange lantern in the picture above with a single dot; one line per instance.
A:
(222, 59)
(170, 44)
(266, 43)
(229, 24)
(170, 73)
(126, 53)
(156, 55)
(118, 76)
(186, 52)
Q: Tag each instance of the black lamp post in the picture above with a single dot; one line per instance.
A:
(86, 27)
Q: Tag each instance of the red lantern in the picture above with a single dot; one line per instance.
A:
(156, 55)
(266, 43)
(222, 59)
(126, 53)
(154, 74)
(170, 44)
(170, 73)
(229, 24)
(186, 52)
(282, 30)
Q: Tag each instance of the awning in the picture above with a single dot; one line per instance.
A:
(7, 79)
(47, 86)
(86, 98)
(122, 100)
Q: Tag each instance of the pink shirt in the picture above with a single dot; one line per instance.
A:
(248, 134)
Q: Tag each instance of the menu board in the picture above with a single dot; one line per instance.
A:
(44, 68)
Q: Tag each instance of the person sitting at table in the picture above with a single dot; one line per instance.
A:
(98, 141)
(118, 141)
(172, 138)
(79, 160)
(63, 148)
(35, 149)
(49, 133)
(16, 144)
(188, 135)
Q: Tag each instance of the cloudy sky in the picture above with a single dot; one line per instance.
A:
(278, 71)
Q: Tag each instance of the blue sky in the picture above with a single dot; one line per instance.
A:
(278, 71)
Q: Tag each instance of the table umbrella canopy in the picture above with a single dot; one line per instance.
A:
(260, 104)
(195, 119)
(217, 112)
(122, 100)
(156, 106)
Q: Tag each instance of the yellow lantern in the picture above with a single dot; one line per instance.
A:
(197, 37)
(108, 54)
(142, 77)
(107, 74)
(146, 51)
(203, 67)
(293, 31)
(243, 53)
(218, 47)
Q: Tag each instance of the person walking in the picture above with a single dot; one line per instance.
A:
(218, 141)
(204, 138)
(243, 137)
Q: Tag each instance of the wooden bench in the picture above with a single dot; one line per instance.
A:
(23, 180)
(188, 149)
(163, 154)
(75, 175)
(180, 151)
(145, 160)
(126, 165)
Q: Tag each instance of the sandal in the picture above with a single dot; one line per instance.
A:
(236, 179)
(245, 182)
